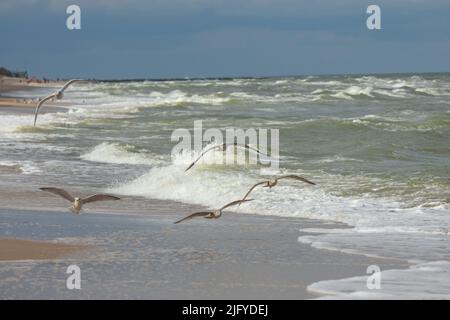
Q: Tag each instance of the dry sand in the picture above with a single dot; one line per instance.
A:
(11, 103)
(8, 84)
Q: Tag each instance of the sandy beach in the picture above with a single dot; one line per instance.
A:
(132, 250)
(11, 103)
(148, 257)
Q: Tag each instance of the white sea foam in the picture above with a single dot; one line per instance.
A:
(119, 154)
(26, 167)
(210, 186)
(422, 281)
(354, 91)
(337, 158)
(428, 91)
(10, 123)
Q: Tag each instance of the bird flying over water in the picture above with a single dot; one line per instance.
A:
(272, 183)
(77, 203)
(58, 95)
(223, 147)
(214, 214)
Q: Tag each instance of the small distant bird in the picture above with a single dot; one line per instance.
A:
(58, 95)
(223, 147)
(214, 214)
(272, 183)
(77, 203)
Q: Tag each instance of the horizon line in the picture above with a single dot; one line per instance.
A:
(264, 77)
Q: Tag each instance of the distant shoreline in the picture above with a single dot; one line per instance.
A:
(12, 103)
(60, 81)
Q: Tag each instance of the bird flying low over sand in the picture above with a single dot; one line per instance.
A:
(272, 183)
(214, 214)
(77, 203)
(58, 95)
(223, 147)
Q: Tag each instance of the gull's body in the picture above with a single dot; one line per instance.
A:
(272, 183)
(77, 203)
(214, 214)
(223, 147)
(58, 95)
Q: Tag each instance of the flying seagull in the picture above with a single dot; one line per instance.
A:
(223, 147)
(272, 183)
(77, 203)
(215, 214)
(58, 95)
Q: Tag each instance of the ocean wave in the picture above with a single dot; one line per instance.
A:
(24, 167)
(428, 91)
(428, 123)
(150, 94)
(211, 187)
(132, 103)
(120, 154)
(354, 91)
(399, 123)
(337, 158)
(178, 97)
(12, 123)
(422, 281)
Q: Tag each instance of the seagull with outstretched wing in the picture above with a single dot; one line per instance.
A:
(214, 214)
(272, 183)
(58, 95)
(223, 147)
(77, 203)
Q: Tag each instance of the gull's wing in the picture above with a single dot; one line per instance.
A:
(251, 189)
(68, 83)
(194, 215)
(39, 106)
(201, 155)
(293, 176)
(60, 192)
(99, 197)
(234, 203)
(246, 146)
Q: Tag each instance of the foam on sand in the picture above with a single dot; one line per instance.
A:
(422, 281)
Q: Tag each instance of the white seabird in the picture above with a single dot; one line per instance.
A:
(58, 95)
(77, 203)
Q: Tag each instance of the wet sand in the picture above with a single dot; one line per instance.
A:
(139, 253)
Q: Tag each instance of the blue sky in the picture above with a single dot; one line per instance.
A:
(211, 38)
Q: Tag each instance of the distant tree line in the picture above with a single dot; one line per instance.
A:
(15, 74)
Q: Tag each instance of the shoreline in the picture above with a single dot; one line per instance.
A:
(15, 104)
(8, 84)
(234, 257)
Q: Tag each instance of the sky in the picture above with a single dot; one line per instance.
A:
(223, 38)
